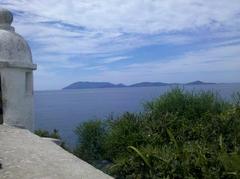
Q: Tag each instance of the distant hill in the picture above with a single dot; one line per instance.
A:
(199, 83)
(89, 85)
(146, 84)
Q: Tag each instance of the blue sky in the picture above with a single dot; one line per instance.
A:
(128, 41)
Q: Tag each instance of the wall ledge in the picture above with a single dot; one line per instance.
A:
(26, 155)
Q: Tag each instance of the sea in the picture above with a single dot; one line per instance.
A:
(64, 110)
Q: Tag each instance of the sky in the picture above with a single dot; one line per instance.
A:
(130, 41)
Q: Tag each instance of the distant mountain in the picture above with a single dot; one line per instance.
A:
(147, 84)
(199, 83)
(87, 85)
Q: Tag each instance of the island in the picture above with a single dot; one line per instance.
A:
(199, 83)
(91, 85)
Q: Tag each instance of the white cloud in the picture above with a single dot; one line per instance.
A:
(105, 23)
(62, 29)
(218, 60)
(109, 26)
(138, 16)
(115, 59)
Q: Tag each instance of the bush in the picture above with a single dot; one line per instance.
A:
(44, 133)
(179, 135)
(91, 136)
(54, 134)
(122, 132)
(191, 105)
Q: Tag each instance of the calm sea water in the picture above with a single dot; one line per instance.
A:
(65, 109)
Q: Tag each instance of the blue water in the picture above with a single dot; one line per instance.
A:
(65, 109)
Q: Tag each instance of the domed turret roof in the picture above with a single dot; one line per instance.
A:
(13, 48)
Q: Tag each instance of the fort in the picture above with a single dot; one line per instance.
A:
(22, 153)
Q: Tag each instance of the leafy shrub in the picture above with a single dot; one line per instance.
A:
(179, 135)
(44, 133)
(191, 105)
(122, 132)
(91, 137)
(54, 134)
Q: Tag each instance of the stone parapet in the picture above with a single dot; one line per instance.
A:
(28, 156)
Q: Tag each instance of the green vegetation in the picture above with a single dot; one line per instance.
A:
(54, 134)
(92, 135)
(44, 133)
(179, 135)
